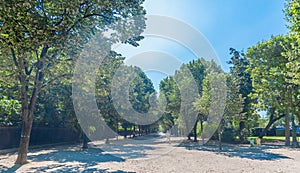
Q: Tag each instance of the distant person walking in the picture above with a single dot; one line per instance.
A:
(168, 135)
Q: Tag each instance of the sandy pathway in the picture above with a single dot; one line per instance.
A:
(156, 155)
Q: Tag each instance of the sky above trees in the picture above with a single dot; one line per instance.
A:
(234, 23)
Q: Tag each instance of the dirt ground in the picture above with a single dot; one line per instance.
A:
(149, 154)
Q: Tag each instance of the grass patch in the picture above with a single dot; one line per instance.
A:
(272, 138)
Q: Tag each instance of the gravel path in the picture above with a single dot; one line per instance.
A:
(156, 155)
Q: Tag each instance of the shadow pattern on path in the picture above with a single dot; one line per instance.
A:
(74, 159)
(9, 170)
(68, 160)
(87, 160)
(253, 153)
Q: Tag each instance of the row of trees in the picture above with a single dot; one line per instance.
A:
(237, 116)
(265, 78)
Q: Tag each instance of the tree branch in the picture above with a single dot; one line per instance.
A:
(22, 79)
(14, 57)
(39, 77)
(278, 118)
(55, 79)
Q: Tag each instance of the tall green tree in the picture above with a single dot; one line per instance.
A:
(181, 112)
(272, 85)
(292, 53)
(169, 89)
(243, 81)
(141, 91)
(197, 69)
(207, 103)
(189, 91)
(274, 67)
(203, 102)
(104, 78)
(229, 126)
(37, 37)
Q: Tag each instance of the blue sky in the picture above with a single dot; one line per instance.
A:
(228, 23)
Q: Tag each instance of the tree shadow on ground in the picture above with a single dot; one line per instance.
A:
(253, 153)
(74, 159)
(69, 168)
(127, 151)
(86, 160)
(9, 170)
(67, 160)
(131, 148)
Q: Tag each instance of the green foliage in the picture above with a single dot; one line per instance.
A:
(229, 135)
(169, 89)
(103, 82)
(202, 104)
(54, 107)
(292, 53)
(62, 24)
(10, 107)
(268, 69)
(292, 12)
(140, 91)
(42, 39)
(274, 71)
(9, 112)
(197, 68)
(179, 112)
(235, 102)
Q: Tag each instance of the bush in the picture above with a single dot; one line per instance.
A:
(229, 135)
(9, 112)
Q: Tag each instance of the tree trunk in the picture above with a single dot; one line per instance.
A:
(28, 106)
(195, 131)
(287, 117)
(125, 132)
(263, 133)
(287, 128)
(27, 119)
(241, 128)
(201, 128)
(24, 141)
(84, 141)
(140, 131)
(117, 131)
(295, 143)
(272, 120)
(220, 138)
(134, 134)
